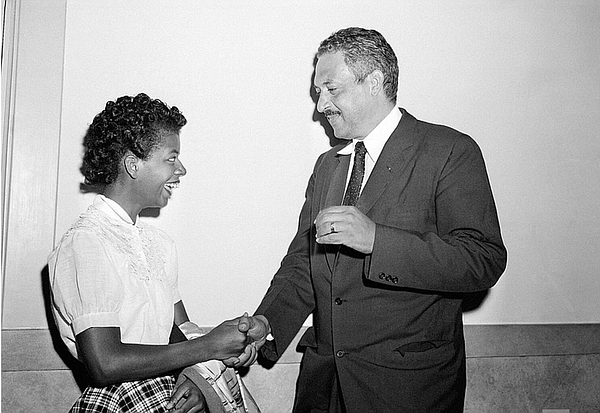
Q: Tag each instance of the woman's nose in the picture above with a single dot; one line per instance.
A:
(181, 171)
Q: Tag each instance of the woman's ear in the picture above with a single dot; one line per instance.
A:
(131, 165)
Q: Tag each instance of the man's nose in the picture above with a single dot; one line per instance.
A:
(322, 103)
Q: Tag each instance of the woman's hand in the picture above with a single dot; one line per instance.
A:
(187, 398)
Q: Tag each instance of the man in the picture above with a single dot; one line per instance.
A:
(383, 276)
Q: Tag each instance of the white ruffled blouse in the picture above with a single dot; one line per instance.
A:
(110, 272)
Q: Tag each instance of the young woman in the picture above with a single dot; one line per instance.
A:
(114, 278)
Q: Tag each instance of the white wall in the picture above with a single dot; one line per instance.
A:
(32, 72)
(522, 78)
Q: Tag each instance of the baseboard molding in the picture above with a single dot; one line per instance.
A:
(519, 340)
(40, 349)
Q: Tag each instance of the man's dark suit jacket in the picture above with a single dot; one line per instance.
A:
(390, 322)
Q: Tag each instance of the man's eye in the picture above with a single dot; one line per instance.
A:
(332, 89)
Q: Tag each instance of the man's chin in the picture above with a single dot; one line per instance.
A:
(339, 135)
(342, 138)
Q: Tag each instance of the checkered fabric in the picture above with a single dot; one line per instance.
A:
(147, 396)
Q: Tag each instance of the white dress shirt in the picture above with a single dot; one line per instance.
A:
(374, 143)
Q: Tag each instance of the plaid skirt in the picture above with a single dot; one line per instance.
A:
(148, 396)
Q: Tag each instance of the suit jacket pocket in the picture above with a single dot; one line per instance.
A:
(424, 354)
(308, 339)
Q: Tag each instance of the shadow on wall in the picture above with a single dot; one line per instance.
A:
(318, 117)
(77, 368)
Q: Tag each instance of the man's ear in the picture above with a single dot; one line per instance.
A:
(376, 79)
(131, 163)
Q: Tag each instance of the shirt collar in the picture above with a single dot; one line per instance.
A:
(377, 138)
(112, 208)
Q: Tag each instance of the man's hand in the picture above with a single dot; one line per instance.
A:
(187, 398)
(257, 329)
(346, 225)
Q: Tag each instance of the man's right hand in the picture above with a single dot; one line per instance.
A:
(257, 329)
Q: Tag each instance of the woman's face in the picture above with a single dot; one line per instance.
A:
(159, 175)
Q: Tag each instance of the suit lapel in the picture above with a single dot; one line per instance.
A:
(391, 163)
(335, 192)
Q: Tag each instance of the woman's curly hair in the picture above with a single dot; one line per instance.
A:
(131, 123)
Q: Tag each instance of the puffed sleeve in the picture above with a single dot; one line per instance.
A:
(87, 290)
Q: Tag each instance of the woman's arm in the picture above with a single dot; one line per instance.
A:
(110, 361)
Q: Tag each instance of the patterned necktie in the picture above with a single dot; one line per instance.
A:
(358, 172)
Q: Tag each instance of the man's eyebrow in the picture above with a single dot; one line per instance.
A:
(325, 83)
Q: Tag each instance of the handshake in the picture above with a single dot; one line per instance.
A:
(240, 339)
